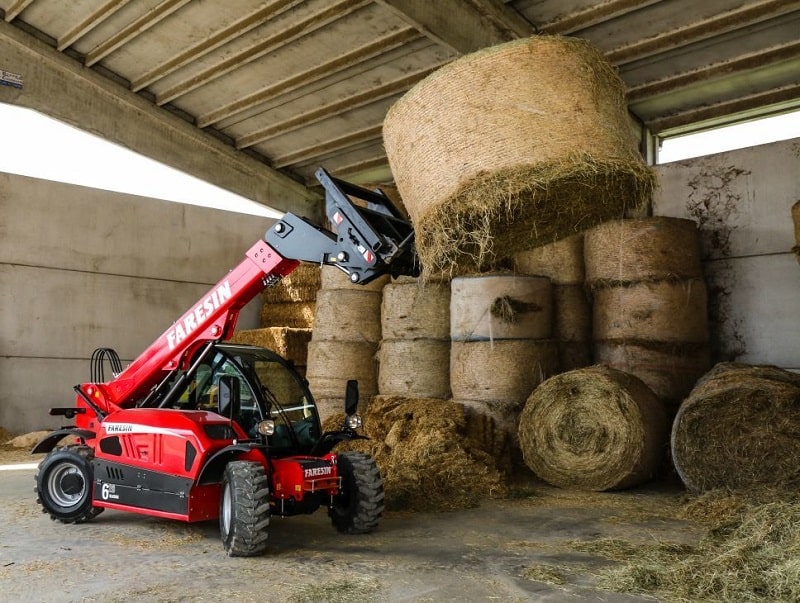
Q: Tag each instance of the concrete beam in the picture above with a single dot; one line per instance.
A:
(58, 86)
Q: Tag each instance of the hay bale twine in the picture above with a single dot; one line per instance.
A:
(738, 429)
(333, 278)
(290, 343)
(332, 363)
(348, 315)
(574, 354)
(663, 311)
(594, 428)
(415, 368)
(300, 285)
(573, 313)
(295, 315)
(410, 310)
(561, 262)
(502, 306)
(669, 370)
(642, 249)
(503, 372)
(516, 145)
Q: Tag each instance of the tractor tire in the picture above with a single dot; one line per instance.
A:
(244, 509)
(358, 507)
(64, 484)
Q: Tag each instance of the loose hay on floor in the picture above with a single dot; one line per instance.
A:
(595, 429)
(739, 427)
(425, 456)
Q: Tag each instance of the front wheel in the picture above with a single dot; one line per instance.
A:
(244, 509)
(358, 507)
(64, 485)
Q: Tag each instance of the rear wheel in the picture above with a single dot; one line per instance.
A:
(244, 509)
(358, 507)
(64, 485)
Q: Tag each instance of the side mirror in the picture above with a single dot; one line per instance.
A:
(229, 396)
(351, 397)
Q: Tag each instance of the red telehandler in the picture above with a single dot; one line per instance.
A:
(195, 429)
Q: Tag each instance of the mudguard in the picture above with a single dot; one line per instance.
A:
(51, 439)
(212, 471)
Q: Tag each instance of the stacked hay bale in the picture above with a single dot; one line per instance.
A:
(414, 357)
(562, 262)
(594, 428)
(650, 314)
(739, 429)
(344, 342)
(287, 316)
(516, 145)
(501, 349)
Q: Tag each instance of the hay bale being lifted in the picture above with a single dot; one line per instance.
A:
(514, 146)
(739, 429)
(593, 428)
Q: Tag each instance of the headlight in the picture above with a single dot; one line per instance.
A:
(352, 421)
(266, 428)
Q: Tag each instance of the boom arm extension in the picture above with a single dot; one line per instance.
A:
(371, 239)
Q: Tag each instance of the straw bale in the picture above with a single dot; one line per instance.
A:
(333, 278)
(348, 315)
(290, 343)
(594, 428)
(505, 371)
(739, 429)
(410, 310)
(300, 285)
(427, 459)
(280, 382)
(642, 249)
(796, 220)
(573, 313)
(295, 315)
(664, 311)
(332, 363)
(417, 368)
(561, 262)
(511, 147)
(574, 354)
(670, 370)
(502, 306)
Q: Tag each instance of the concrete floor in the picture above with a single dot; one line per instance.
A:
(471, 555)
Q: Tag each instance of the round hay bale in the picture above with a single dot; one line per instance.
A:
(415, 368)
(500, 307)
(642, 249)
(573, 313)
(301, 285)
(332, 363)
(738, 429)
(290, 343)
(665, 311)
(594, 428)
(501, 372)
(295, 315)
(333, 278)
(561, 262)
(348, 315)
(514, 146)
(574, 355)
(410, 310)
(669, 370)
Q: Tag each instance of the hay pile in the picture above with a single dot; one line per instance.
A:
(291, 302)
(514, 146)
(427, 459)
(594, 428)
(562, 262)
(749, 553)
(650, 315)
(739, 428)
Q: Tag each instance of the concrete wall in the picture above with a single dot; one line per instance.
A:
(83, 268)
(742, 203)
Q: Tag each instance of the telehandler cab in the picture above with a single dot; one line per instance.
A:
(196, 429)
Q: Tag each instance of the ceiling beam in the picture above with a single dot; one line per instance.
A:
(463, 25)
(592, 15)
(304, 155)
(90, 22)
(15, 9)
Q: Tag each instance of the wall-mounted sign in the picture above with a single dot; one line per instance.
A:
(10, 79)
